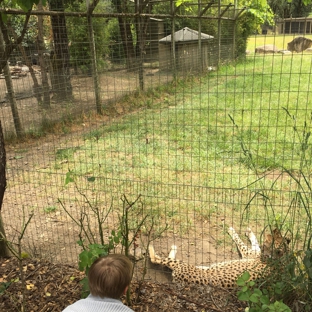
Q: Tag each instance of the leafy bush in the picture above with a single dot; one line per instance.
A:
(259, 300)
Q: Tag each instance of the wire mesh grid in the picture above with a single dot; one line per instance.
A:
(205, 143)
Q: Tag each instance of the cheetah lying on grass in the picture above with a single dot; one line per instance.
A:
(225, 274)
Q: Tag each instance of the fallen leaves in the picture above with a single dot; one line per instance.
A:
(52, 287)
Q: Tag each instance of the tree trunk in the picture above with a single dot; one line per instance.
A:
(4, 252)
(141, 30)
(42, 61)
(60, 74)
(27, 61)
(97, 88)
(12, 100)
(126, 35)
(9, 85)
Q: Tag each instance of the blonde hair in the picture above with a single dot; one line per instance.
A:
(109, 276)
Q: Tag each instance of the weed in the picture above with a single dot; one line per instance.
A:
(92, 228)
(10, 136)
(94, 134)
(4, 286)
(66, 153)
(23, 150)
(116, 127)
(34, 133)
(47, 125)
(50, 209)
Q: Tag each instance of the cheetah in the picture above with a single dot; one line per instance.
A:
(225, 274)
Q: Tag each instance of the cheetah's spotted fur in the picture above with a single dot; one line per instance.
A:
(225, 274)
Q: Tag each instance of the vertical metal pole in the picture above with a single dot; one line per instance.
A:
(219, 32)
(290, 22)
(305, 26)
(173, 46)
(200, 53)
(234, 30)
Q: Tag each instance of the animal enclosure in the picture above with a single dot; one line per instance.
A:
(171, 145)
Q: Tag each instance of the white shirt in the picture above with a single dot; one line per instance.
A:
(97, 304)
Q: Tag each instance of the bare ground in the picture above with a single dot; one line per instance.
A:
(114, 85)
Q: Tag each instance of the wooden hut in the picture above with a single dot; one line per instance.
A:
(188, 57)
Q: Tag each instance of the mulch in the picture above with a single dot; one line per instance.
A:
(51, 287)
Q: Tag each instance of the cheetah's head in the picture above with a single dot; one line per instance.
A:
(275, 245)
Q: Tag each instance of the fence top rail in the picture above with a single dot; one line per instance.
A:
(85, 14)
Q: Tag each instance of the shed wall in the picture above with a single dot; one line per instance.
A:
(187, 55)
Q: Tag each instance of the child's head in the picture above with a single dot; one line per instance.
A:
(110, 276)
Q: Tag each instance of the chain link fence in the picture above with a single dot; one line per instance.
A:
(171, 138)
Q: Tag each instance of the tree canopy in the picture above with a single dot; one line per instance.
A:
(294, 8)
(24, 4)
(10, 44)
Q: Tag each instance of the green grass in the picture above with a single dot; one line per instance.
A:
(50, 209)
(195, 157)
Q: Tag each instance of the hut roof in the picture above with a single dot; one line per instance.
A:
(185, 34)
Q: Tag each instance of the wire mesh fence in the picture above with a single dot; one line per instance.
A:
(186, 142)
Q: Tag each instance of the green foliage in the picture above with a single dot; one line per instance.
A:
(295, 280)
(307, 261)
(92, 223)
(93, 134)
(259, 300)
(86, 258)
(208, 26)
(287, 8)
(299, 284)
(27, 4)
(116, 51)
(69, 177)
(77, 27)
(66, 153)
(16, 24)
(93, 251)
(4, 286)
(256, 14)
